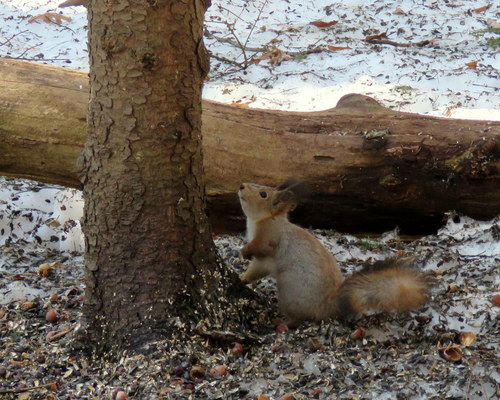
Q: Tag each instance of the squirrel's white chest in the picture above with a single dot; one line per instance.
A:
(251, 228)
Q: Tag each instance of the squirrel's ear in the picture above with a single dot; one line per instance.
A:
(290, 182)
(289, 193)
(282, 197)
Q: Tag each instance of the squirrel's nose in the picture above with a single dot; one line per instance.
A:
(242, 186)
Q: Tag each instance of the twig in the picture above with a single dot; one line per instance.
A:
(20, 274)
(225, 59)
(25, 51)
(233, 43)
(381, 38)
(255, 23)
(12, 37)
(251, 31)
(486, 86)
(60, 334)
(396, 44)
(233, 13)
(239, 44)
(242, 46)
(26, 389)
(36, 58)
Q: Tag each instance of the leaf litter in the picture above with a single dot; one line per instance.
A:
(449, 349)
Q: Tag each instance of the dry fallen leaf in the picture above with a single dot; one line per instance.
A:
(50, 18)
(323, 24)
(274, 55)
(335, 48)
(495, 300)
(376, 37)
(448, 112)
(472, 65)
(239, 104)
(399, 11)
(45, 269)
(315, 344)
(482, 9)
(28, 305)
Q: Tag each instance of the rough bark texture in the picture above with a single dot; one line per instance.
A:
(148, 242)
(409, 177)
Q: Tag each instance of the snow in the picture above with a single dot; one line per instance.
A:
(433, 79)
(47, 216)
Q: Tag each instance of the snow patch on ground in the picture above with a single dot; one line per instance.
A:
(433, 79)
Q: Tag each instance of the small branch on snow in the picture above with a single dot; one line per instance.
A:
(233, 42)
(21, 58)
(382, 39)
(226, 60)
(12, 37)
(396, 44)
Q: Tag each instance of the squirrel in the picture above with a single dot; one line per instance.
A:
(310, 285)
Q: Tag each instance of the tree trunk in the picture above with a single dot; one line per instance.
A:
(364, 181)
(148, 241)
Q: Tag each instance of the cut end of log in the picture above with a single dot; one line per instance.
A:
(354, 101)
(71, 3)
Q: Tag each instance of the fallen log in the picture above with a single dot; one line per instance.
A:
(371, 168)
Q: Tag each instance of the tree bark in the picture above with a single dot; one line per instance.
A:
(364, 179)
(148, 241)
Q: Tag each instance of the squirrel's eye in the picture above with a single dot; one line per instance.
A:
(263, 195)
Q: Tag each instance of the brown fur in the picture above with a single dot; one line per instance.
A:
(390, 286)
(310, 284)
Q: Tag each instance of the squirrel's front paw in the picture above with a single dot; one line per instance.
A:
(246, 253)
(244, 278)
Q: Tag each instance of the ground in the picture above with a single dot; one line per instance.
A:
(449, 349)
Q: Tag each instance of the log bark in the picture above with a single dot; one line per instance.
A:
(371, 168)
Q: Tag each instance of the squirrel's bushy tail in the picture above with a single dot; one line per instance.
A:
(389, 285)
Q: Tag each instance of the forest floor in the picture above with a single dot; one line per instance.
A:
(447, 350)
(268, 54)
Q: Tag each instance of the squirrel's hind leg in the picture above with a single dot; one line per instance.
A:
(258, 269)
